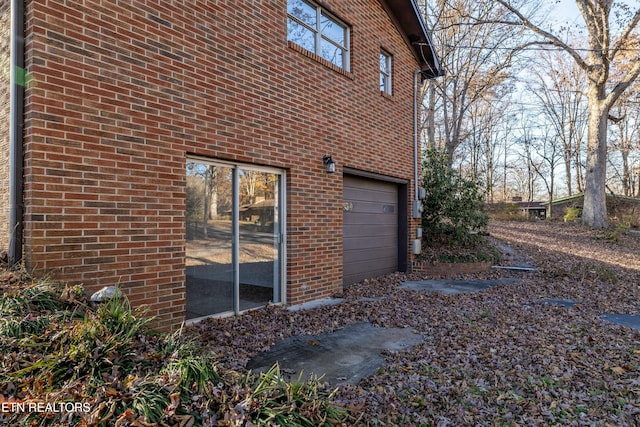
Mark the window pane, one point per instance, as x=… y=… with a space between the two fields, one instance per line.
x=385 y=72
x=259 y=238
x=383 y=63
x=303 y=11
x=301 y=35
x=209 y=266
x=332 y=53
x=332 y=30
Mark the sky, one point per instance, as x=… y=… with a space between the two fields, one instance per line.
x=567 y=9
x=566 y=12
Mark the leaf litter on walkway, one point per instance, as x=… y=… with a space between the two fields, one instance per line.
x=503 y=356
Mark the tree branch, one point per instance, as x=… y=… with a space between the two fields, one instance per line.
x=553 y=40
x=631 y=76
x=625 y=34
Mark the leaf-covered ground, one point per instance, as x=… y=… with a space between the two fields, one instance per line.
x=504 y=356
x=498 y=357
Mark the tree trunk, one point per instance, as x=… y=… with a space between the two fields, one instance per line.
x=567 y=169
x=504 y=176
x=578 y=164
x=431 y=112
x=594 y=213
x=626 y=174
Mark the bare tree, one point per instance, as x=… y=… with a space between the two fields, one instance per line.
x=602 y=91
x=474 y=60
x=626 y=140
x=559 y=90
x=200 y=193
x=484 y=148
x=548 y=148
x=505 y=161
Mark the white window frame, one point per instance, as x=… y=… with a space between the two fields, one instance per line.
x=320 y=36
x=386 y=71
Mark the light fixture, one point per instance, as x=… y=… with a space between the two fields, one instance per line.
x=329 y=163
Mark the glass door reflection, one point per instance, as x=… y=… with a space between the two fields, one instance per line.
x=259 y=226
x=234 y=243
x=209 y=261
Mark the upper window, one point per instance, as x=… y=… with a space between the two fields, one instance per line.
x=314 y=29
x=385 y=72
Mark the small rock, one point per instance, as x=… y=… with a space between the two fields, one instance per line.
x=106 y=293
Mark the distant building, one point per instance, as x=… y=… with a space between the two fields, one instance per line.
x=618 y=207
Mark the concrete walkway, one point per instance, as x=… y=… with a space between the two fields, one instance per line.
x=628 y=320
x=355 y=352
x=345 y=356
x=453 y=287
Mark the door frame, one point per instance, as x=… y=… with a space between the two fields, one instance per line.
x=282 y=240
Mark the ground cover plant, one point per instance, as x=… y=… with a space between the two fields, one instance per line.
x=66 y=361
x=504 y=356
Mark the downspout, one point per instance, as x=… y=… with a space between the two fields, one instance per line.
x=417 y=211
x=16 y=125
x=417 y=205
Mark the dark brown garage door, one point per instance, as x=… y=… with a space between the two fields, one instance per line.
x=370 y=229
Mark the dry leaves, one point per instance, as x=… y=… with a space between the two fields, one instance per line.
x=498 y=357
x=504 y=356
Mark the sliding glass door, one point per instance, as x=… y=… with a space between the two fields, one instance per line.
x=235 y=248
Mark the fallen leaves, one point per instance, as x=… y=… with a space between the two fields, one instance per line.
x=507 y=355
x=501 y=354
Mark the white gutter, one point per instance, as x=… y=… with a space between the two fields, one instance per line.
x=417 y=208
x=16 y=132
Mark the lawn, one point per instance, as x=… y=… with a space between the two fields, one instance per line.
x=504 y=356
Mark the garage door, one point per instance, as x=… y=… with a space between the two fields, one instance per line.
x=370 y=233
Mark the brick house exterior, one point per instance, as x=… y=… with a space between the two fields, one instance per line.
x=126 y=98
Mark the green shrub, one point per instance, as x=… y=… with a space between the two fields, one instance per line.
x=453 y=209
x=572 y=214
x=272 y=401
x=57 y=347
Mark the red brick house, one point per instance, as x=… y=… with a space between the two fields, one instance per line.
x=210 y=157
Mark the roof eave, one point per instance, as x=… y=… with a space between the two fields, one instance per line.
x=411 y=25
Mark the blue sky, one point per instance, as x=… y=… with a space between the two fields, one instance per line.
x=566 y=11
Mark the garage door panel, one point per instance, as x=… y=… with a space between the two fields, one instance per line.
x=375 y=207
x=371 y=243
x=381 y=253
x=359 y=231
x=381 y=264
x=366 y=184
x=368 y=196
x=369 y=240
x=370 y=219
x=360 y=275
x=370 y=229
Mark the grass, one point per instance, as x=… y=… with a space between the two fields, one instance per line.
x=57 y=347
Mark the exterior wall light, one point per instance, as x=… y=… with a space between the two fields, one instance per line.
x=329 y=163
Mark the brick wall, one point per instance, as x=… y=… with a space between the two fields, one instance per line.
x=126 y=90
x=448 y=269
x=5 y=60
